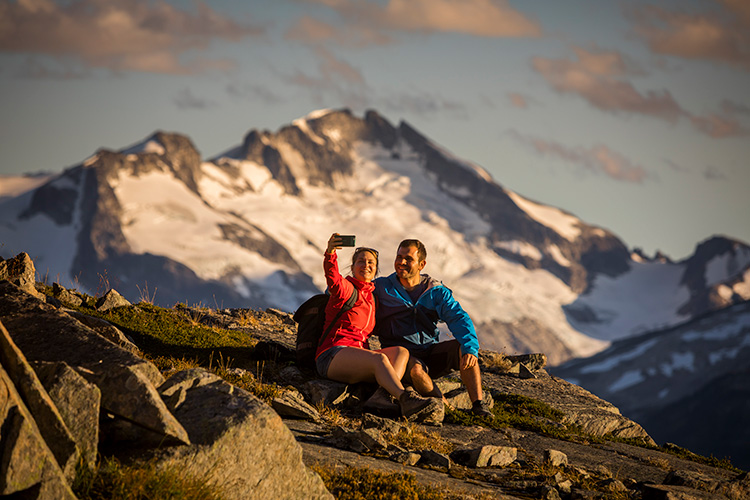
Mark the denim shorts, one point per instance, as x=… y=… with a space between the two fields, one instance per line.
x=323 y=361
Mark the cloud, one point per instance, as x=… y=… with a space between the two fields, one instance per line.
x=734 y=108
x=187 y=100
x=485 y=18
x=594 y=77
x=598 y=159
x=120 y=35
x=253 y=91
x=313 y=31
x=721 y=36
x=714 y=174
x=518 y=100
x=600 y=78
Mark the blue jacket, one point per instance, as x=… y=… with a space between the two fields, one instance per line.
x=398 y=321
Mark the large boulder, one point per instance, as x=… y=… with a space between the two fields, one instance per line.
x=78 y=402
x=239 y=442
x=127 y=382
x=21 y=272
x=49 y=421
x=28 y=467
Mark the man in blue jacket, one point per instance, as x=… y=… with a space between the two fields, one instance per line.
x=409 y=306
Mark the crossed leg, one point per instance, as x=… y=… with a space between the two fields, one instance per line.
x=386 y=367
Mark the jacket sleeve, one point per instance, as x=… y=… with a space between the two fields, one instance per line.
x=338 y=287
x=458 y=320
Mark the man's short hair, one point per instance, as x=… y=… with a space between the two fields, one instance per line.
x=421 y=250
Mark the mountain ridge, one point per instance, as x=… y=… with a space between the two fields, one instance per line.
x=248 y=228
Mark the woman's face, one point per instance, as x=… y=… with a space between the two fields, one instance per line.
x=365 y=266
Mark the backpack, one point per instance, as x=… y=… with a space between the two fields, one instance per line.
x=310 y=318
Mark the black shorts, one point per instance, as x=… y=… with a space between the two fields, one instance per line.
x=439 y=359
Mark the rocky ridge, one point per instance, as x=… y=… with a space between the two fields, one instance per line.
x=194 y=420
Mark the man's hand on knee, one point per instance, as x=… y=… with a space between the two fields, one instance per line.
x=468 y=361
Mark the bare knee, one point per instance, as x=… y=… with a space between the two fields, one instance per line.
x=381 y=359
x=417 y=370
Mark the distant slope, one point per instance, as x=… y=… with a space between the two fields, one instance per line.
x=686 y=384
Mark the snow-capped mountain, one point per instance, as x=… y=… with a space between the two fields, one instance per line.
x=686 y=384
x=248 y=228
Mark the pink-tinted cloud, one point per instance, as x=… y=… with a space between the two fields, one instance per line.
x=721 y=36
x=487 y=18
x=594 y=77
x=599 y=159
x=121 y=35
x=600 y=78
x=518 y=100
x=314 y=31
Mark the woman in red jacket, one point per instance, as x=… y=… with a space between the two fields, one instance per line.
x=344 y=356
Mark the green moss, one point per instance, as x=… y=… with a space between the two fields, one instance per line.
x=520 y=412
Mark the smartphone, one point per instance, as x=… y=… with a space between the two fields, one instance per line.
x=347 y=240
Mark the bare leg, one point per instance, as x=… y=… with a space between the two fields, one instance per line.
x=422 y=381
x=352 y=364
x=399 y=358
x=472 y=379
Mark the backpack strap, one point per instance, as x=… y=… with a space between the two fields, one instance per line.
x=347 y=305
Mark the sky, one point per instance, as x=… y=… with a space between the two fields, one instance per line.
x=632 y=115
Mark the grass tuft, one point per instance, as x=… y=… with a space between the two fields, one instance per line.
x=144 y=481
x=364 y=484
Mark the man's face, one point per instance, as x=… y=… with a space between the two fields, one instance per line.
x=407 y=263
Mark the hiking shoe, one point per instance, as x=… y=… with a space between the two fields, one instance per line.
x=413 y=405
x=481 y=408
x=382 y=403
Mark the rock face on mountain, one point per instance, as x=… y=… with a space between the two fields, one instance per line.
x=246 y=229
x=684 y=384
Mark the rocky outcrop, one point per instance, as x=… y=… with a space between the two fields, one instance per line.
x=21 y=272
x=127 y=382
x=50 y=426
x=28 y=468
x=83 y=396
x=238 y=442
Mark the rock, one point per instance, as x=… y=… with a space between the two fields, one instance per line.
x=127 y=382
x=66 y=297
x=292 y=404
x=555 y=458
x=613 y=485
x=110 y=300
x=327 y=392
x=78 y=402
x=457 y=397
x=48 y=419
x=239 y=442
x=520 y=370
x=359 y=441
x=431 y=458
x=28 y=467
x=486 y=456
x=406 y=457
x=106 y=330
x=370 y=421
x=549 y=493
x=20 y=271
x=534 y=362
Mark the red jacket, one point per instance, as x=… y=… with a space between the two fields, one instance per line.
x=356 y=324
